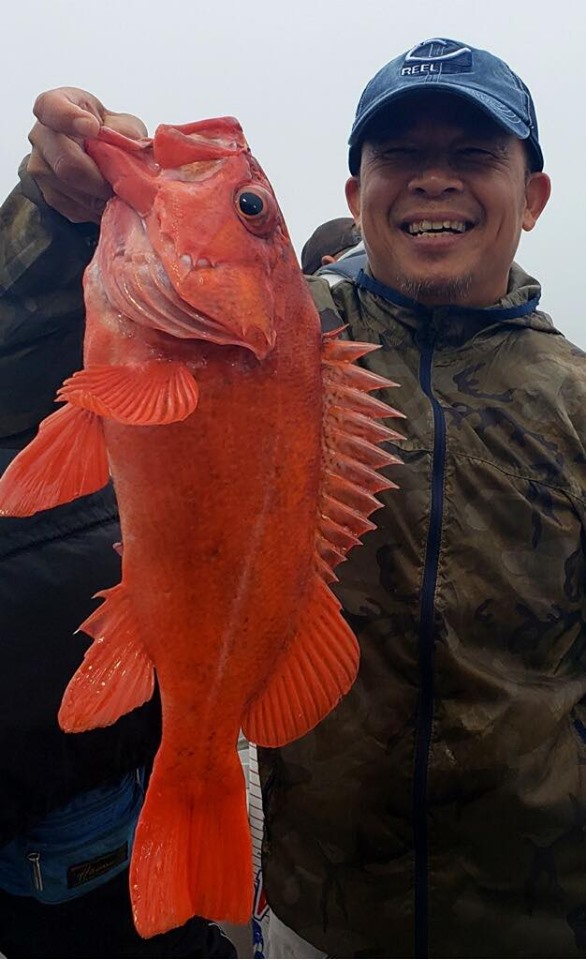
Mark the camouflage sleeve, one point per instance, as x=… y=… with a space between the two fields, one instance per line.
x=329 y=314
x=42 y=259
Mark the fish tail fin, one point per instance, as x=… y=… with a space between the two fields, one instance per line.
x=192 y=853
x=66 y=460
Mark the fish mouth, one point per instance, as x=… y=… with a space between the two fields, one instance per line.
x=249 y=326
x=138 y=287
x=193 y=145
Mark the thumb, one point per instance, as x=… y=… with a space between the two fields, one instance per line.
x=125 y=123
x=77 y=113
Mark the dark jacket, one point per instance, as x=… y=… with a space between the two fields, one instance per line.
x=53 y=563
x=441 y=809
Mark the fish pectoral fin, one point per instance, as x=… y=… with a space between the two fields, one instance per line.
x=144 y=394
x=311 y=677
x=116 y=674
x=66 y=460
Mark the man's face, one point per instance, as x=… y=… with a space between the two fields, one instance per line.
x=441 y=199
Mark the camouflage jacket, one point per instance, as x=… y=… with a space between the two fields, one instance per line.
x=440 y=810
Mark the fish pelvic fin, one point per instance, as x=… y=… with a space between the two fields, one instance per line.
x=312 y=676
x=352 y=455
x=192 y=853
x=149 y=393
x=66 y=460
x=116 y=674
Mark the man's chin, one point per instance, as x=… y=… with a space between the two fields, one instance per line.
x=436 y=291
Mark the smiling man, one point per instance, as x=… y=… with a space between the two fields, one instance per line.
x=440 y=810
x=442 y=193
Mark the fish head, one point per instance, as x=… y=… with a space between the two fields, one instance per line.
x=213 y=227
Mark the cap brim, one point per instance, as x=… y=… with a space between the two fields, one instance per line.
x=492 y=107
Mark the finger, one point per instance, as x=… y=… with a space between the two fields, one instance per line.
x=67 y=177
x=77 y=113
x=79 y=209
x=125 y=123
x=70 y=110
x=50 y=187
x=70 y=200
x=59 y=162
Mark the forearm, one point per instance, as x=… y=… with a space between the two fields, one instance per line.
x=42 y=259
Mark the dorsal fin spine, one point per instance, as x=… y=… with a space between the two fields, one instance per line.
x=352 y=456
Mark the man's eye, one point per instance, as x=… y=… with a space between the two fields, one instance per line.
x=478 y=152
x=399 y=152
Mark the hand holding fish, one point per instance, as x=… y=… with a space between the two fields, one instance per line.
x=67 y=177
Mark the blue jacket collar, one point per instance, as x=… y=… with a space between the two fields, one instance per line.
x=486 y=314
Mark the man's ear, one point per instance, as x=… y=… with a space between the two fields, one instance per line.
x=353 y=198
x=537 y=192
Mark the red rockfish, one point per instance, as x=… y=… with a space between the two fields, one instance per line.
x=245 y=452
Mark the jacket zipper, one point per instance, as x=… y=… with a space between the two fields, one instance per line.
x=35 y=862
x=34 y=857
x=426 y=658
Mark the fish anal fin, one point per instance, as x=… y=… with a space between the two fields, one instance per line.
x=66 y=460
x=116 y=674
x=352 y=455
x=143 y=394
x=311 y=677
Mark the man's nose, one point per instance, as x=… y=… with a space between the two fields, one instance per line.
x=435 y=177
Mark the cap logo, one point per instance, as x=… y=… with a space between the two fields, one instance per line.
x=437 y=56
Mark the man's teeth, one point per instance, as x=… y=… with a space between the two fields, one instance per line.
x=436 y=226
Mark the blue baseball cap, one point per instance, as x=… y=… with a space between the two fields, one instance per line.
x=451 y=67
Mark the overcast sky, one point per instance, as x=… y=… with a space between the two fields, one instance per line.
x=292 y=74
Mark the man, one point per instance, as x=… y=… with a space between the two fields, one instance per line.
x=440 y=810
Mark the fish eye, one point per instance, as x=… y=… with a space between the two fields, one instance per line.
x=251 y=204
x=257 y=209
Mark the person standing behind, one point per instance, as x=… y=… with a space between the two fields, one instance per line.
x=343 y=237
x=328 y=242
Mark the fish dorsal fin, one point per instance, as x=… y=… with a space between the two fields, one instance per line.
x=148 y=393
x=321 y=663
x=352 y=456
x=116 y=674
x=66 y=460
x=314 y=673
